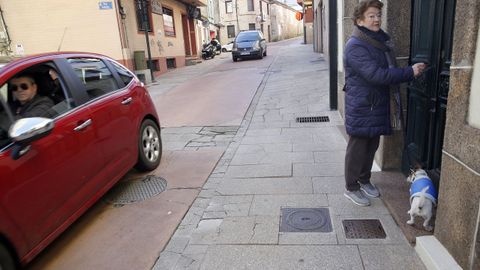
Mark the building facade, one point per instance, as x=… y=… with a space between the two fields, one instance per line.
x=442 y=107
x=283 y=23
x=114 y=28
x=275 y=19
x=241 y=15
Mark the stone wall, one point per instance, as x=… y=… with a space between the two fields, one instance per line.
x=459 y=194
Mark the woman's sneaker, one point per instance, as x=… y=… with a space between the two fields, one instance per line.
x=370 y=190
x=357 y=197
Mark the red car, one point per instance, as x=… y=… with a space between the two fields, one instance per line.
x=102 y=122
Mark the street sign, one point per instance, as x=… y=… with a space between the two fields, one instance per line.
x=105 y=5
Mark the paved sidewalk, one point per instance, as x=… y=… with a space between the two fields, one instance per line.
x=275 y=163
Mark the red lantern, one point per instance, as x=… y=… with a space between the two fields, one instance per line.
x=299 y=16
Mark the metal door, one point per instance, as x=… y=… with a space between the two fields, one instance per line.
x=432 y=32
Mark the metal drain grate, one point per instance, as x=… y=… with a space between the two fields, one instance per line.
x=305 y=220
x=363 y=228
x=313 y=119
x=136 y=190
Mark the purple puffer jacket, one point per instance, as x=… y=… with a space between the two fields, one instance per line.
x=367 y=98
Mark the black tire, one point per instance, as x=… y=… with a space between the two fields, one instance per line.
x=224 y=50
x=234 y=59
x=265 y=53
x=149 y=146
x=6 y=259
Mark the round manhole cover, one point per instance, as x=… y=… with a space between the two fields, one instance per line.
x=136 y=190
x=306 y=219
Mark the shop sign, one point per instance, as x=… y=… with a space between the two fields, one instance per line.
x=156 y=7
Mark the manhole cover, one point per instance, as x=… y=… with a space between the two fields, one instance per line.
x=313 y=119
x=305 y=220
x=136 y=190
x=363 y=228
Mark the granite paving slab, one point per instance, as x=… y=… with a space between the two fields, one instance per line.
x=229 y=257
x=270 y=205
x=281 y=185
x=237 y=230
x=390 y=257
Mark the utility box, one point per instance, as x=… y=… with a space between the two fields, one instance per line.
x=139 y=59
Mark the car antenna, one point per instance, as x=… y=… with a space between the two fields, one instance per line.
x=61 y=41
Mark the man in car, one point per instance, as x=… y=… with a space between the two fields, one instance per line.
x=26 y=101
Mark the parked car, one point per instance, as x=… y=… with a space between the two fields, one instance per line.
x=227 y=47
x=249 y=44
x=53 y=169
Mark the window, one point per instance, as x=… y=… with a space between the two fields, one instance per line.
x=94 y=74
x=6 y=119
x=251 y=26
x=250 y=5
x=144 y=17
x=268 y=9
x=168 y=22
x=124 y=74
x=228 y=6
x=171 y=63
x=231 y=31
x=155 y=65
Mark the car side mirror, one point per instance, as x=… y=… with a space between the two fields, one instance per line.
x=27 y=130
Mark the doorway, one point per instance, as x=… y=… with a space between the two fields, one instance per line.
x=186 y=37
x=431 y=42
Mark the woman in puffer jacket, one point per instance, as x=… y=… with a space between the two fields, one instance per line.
x=369 y=72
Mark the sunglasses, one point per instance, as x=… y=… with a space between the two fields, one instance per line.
x=22 y=86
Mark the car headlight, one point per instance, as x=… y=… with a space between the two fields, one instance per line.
x=256 y=45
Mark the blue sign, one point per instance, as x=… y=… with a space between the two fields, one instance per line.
x=105 y=5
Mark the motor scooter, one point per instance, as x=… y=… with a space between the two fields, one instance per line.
x=217 y=46
x=208 y=51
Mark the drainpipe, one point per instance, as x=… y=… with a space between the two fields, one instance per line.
x=333 y=51
x=236 y=14
x=142 y=6
x=304 y=28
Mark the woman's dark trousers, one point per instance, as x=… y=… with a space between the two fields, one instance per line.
x=358 y=161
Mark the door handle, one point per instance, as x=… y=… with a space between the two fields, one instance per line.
x=83 y=125
x=127 y=101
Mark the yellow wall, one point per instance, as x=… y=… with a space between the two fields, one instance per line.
x=160 y=45
x=40 y=25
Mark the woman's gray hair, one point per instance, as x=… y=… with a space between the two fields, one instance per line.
x=362 y=7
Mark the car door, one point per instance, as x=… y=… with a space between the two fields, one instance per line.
x=115 y=112
x=43 y=188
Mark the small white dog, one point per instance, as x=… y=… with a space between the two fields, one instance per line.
x=423 y=197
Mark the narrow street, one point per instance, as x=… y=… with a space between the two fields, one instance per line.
x=201 y=108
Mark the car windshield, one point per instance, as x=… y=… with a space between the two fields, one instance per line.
x=246 y=37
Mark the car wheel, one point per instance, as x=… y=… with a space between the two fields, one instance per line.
x=224 y=50
x=6 y=260
x=149 y=146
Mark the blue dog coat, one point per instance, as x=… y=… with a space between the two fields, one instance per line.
x=419 y=184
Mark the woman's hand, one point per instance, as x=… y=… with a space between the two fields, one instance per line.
x=418 y=69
